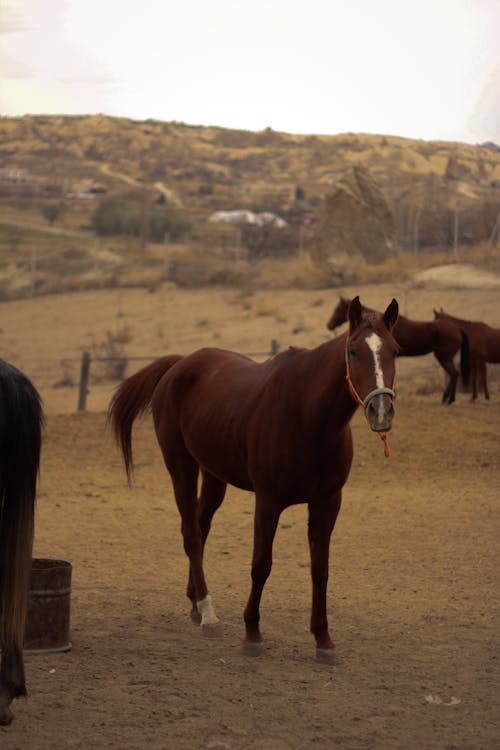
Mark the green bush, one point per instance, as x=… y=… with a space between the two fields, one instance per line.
x=163 y=221
x=116 y=215
x=269 y=242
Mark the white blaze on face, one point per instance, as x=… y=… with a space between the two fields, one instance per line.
x=375 y=344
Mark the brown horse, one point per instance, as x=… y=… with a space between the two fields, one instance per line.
x=21 y=421
x=484 y=342
x=416 y=338
x=278 y=428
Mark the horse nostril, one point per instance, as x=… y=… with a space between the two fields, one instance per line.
x=380 y=411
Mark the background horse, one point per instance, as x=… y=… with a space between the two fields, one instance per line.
x=278 y=428
x=484 y=342
x=21 y=421
x=416 y=338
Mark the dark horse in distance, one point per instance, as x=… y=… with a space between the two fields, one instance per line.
x=484 y=343
x=416 y=338
x=21 y=421
x=278 y=428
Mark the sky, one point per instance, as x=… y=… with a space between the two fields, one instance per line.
x=426 y=69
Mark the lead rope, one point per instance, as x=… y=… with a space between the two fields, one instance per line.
x=387 y=450
x=361 y=402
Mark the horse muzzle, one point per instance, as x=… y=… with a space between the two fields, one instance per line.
x=379 y=409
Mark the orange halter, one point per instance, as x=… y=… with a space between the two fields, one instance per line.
x=365 y=401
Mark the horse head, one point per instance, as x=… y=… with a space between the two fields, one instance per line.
x=339 y=315
x=370 y=362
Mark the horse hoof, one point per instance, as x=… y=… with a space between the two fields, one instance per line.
x=195 y=616
x=252 y=648
x=211 y=630
x=6 y=716
x=325 y=655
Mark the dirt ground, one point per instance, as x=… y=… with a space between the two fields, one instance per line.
x=413 y=593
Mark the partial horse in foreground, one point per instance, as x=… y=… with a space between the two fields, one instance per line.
x=416 y=338
x=278 y=428
x=21 y=421
x=484 y=342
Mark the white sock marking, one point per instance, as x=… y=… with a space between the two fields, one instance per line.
x=207 y=611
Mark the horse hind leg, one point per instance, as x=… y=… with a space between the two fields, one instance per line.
x=449 y=392
x=12 y=681
x=484 y=378
x=475 y=367
x=212 y=494
x=184 y=475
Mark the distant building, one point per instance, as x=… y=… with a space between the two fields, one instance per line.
x=13 y=174
x=87 y=190
x=243 y=216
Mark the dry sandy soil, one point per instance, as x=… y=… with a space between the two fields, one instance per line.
x=413 y=595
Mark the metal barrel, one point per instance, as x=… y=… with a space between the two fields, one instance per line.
x=49 y=605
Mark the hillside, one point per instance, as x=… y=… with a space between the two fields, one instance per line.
x=54 y=171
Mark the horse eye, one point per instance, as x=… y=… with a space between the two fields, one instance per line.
x=352 y=352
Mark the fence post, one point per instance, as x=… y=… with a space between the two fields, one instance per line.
x=84 y=381
x=455 y=230
x=416 y=232
x=496 y=230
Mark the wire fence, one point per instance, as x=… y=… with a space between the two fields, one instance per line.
x=87 y=359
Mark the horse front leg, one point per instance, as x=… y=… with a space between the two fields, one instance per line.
x=322 y=516
x=12 y=681
x=266 y=518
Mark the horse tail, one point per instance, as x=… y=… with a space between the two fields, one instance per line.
x=131 y=399
x=21 y=423
x=465 y=358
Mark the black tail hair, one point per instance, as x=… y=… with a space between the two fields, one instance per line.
x=465 y=358
x=21 y=422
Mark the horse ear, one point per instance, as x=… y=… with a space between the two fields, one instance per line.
x=354 y=313
x=391 y=315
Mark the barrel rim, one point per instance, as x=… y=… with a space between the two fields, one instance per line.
x=46 y=563
x=49 y=650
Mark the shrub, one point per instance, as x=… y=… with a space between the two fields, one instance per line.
x=269 y=242
x=164 y=221
x=52 y=210
x=110 y=354
x=116 y=215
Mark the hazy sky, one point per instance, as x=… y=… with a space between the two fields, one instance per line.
x=417 y=68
